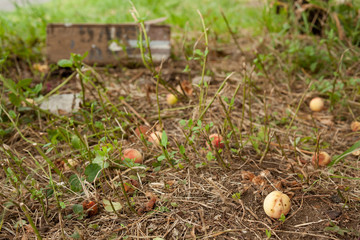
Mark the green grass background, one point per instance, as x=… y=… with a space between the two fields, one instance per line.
x=23 y=31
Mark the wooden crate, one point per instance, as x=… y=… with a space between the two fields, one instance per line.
x=105 y=43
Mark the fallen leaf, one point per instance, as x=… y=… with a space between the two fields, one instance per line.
x=149 y=205
x=246 y=175
x=29 y=229
x=265 y=173
x=278 y=185
x=107 y=206
x=185 y=87
x=131 y=185
x=258 y=180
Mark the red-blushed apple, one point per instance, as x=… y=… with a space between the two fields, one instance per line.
x=216 y=141
x=132 y=154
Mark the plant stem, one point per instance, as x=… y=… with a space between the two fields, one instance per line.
x=31 y=222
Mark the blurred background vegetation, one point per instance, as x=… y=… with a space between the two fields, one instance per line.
x=333 y=26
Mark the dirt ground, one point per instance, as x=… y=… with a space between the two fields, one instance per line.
x=198 y=200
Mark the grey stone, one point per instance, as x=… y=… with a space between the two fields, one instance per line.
x=62 y=103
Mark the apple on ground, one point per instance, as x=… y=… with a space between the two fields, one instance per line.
x=132 y=154
x=277 y=203
x=216 y=141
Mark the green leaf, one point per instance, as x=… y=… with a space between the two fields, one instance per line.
x=182 y=149
x=99 y=125
x=117 y=206
x=14 y=99
x=344 y=177
x=62 y=205
x=198 y=52
x=100 y=159
x=76 y=142
x=94 y=226
x=75 y=235
x=11 y=174
x=9 y=84
x=353 y=148
x=65 y=63
x=337 y=230
x=78 y=209
x=91 y=171
x=37 y=88
x=282 y=218
x=190 y=123
x=75 y=183
x=20 y=223
x=12 y=114
x=210 y=156
x=164 y=139
x=24 y=83
x=182 y=122
x=161 y=157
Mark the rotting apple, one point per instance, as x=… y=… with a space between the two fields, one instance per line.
x=216 y=141
x=316 y=104
x=324 y=159
x=132 y=154
x=277 y=203
x=90 y=208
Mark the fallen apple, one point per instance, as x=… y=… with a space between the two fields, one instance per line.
x=324 y=159
x=132 y=154
x=90 y=208
x=171 y=99
x=155 y=138
x=142 y=129
x=71 y=163
x=216 y=141
x=276 y=203
x=316 y=104
x=355 y=126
